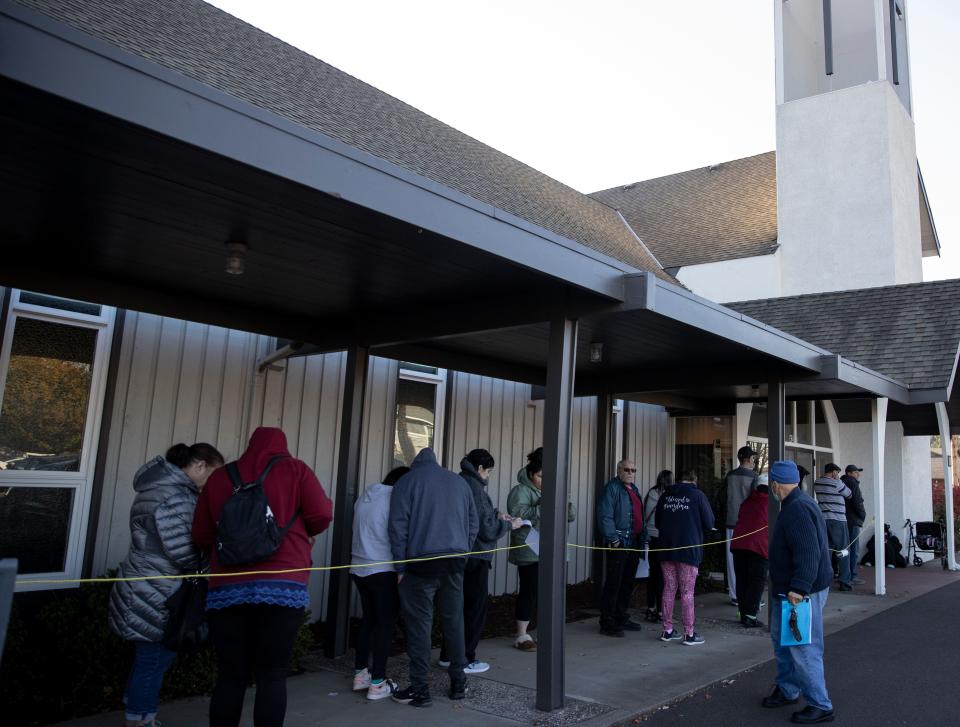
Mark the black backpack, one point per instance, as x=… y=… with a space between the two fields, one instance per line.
x=247 y=531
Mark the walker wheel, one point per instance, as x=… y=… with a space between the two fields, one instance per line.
x=917 y=561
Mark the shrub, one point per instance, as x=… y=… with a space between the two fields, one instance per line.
x=62 y=661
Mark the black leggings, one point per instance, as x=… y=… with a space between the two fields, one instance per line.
x=526 y=607
x=381 y=604
x=259 y=638
x=655 y=579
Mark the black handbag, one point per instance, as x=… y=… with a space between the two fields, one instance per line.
x=186 y=628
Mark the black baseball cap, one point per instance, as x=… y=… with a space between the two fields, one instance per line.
x=831 y=467
x=745 y=452
x=853 y=468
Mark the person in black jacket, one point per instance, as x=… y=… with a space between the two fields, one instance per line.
x=856 y=514
x=475 y=469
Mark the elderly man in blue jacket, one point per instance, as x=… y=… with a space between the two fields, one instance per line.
x=620 y=524
x=799 y=569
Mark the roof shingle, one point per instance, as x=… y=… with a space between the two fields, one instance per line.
x=221 y=51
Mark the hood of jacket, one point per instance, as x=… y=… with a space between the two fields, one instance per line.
x=265 y=443
x=160 y=473
x=523 y=479
x=376 y=492
x=425 y=457
x=469 y=472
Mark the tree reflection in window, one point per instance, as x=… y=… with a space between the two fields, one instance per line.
x=45 y=396
x=415 y=419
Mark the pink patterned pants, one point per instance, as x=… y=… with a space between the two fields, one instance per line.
x=682 y=576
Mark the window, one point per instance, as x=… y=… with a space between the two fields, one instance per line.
x=418 y=419
x=52 y=370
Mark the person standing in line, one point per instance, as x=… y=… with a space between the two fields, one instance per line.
x=475 y=469
x=523 y=503
x=799 y=569
x=376 y=585
x=254 y=619
x=620 y=524
x=655 y=577
x=683 y=517
x=832 y=495
x=856 y=515
x=739 y=483
x=750 y=547
x=167 y=489
x=433 y=522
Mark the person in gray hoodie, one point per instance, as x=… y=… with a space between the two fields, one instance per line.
x=475 y=469
x=160 y=545
x=433 y=523
x=376 y=580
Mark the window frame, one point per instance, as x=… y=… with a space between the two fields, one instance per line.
x=439 y=382
x=81 y=481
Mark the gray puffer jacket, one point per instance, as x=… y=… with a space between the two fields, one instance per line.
x=160 y=544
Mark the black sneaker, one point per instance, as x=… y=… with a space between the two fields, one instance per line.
x=693 y=639
x=751 y=623
x=414 y=696
x=631 y=625
x=618 y=633
x=458 y=690
x=673 y=635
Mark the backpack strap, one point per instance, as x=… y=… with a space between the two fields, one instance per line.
x=238 y=484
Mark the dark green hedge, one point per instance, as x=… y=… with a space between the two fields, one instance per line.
x=62 y=661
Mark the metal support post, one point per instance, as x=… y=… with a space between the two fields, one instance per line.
x=348 y=474
x=551 y=612
x=943 y=420
x=878 y=429
x=8 y=581
x=776 y=410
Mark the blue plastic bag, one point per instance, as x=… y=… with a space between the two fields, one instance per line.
x=795 y=621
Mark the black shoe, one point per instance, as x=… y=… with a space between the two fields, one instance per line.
x=415 y=697
x=618 y=633
x=458 y=690
x=777 y=699
x=812 y=715
x=652 y=616
x=844 y=586
x=750 y=623
x=630 y=625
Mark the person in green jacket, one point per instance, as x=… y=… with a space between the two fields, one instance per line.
x=524 y=503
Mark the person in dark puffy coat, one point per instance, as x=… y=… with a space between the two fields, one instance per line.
x=160 y=545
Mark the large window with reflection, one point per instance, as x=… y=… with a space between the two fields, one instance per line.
x=52 y=370
x=806 y=431
x=418 y=419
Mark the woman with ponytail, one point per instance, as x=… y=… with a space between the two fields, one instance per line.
x=160 y=545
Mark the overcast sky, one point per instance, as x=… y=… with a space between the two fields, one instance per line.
x=613 y=91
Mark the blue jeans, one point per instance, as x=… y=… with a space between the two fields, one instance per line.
x=854 y=548
x=150 y=662
x=839 y=538
x=800 y=668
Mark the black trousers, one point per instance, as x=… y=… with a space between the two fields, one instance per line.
x=476 y=577
x=416 y=599
x=655 y=579
x=618 y=585
x=381 y=605
x=751 y=572
x=526 y=607
x=252 y=637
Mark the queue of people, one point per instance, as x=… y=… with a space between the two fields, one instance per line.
x=425 y=534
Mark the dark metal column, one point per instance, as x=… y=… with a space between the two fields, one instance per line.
x=551 y=585
x=605 y=455
x=348 y=473
x=776 y=409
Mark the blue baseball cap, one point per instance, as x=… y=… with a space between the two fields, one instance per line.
x=785 y=472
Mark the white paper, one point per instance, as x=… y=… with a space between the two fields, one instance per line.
x=533 y=540
x=643 y=567
x=526 y=522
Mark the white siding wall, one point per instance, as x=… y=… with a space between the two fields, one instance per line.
x=647 y=443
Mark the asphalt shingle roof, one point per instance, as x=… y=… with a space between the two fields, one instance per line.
x=910 y=332
x=721 y=212
x=217 y=49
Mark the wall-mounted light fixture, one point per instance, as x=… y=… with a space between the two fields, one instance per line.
x=596 y=352
x=236 y=252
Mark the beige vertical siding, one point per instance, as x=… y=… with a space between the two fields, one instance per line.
x=646 y=441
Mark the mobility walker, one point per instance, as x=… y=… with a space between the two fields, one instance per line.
x=926 y=537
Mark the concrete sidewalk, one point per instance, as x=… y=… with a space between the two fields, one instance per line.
x=608 y=680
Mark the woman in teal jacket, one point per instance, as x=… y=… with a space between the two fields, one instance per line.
x=524 y=503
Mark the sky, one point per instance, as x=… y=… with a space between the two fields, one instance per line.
x=609 y=92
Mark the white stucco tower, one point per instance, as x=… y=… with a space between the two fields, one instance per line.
x=848 y=202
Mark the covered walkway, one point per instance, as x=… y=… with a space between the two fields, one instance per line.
x=614 y=680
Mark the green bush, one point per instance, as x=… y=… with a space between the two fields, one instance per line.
x=62 y=661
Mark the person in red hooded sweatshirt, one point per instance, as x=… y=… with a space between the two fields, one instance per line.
x=749 y=548
x=254 y=619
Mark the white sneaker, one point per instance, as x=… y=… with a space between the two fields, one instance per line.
x=443 y=663
x=476 y=667
x=384 y=689
x=361 y=680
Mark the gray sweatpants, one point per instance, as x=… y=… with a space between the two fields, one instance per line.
x=416 y=600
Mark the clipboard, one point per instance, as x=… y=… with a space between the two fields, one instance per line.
x=802 y=622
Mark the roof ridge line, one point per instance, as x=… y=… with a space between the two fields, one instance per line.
x=637 y=238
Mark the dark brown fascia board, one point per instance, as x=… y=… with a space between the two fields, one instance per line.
x=55 y=58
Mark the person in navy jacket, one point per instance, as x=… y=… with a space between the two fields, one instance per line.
x=683 y=517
